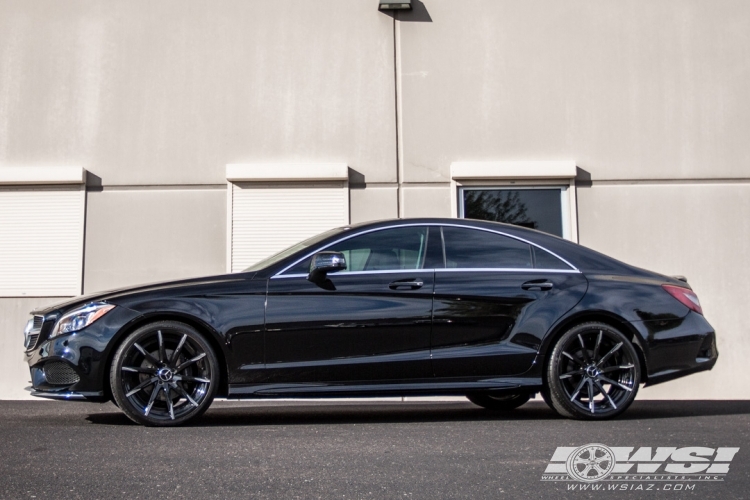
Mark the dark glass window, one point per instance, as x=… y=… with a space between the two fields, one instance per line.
x=545 y=260
x=533 y=208
x=386 y=250
x=469 y=248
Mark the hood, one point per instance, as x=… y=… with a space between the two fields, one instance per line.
x=119 y=293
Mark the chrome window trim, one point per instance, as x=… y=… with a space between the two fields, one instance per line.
x=356 y=273
x=507 y=270
x=573 y=269
x=447 y=269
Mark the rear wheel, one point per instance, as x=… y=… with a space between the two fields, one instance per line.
x=546 y=397
x=164 y=374
x=593 y=372
x=499 y=402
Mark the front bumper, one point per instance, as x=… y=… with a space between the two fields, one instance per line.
x=74 y=366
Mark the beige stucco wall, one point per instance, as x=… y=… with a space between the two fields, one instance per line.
x=427 y=200
x=372 y=203
x=628 y=88
x=143 y=236
x=169 y=92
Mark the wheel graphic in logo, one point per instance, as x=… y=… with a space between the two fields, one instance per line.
x=591 y=462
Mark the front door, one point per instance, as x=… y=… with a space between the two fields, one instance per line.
x=370 y=322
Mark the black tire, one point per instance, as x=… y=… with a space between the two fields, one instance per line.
x=499 y=402
x=164 y=374
x=593 y=373
x=547 y=399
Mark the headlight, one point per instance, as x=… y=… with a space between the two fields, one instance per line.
x=80 y=318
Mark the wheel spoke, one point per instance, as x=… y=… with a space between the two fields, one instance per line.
x=591 y=395
x=578 y=389
x=162 y=352
x=151 y=400
x=571 y=374
x=147 y=355
x=606 y=394
x=176 y=353
x=192 y=379
x=598 y=344
x=182 y=393
x=610 y=353
x=618 y=384
x=584 y=351
x=189 y=362
x=141 y=386
x=139 y=369
x=616 y=368
x=573 y=359
x=169 y=401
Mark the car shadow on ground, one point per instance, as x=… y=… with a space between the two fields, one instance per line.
x=309 y=413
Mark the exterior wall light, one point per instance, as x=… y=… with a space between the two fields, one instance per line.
x=390 y=5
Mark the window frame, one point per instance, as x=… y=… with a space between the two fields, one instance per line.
x=573 y=269
x=566 y=222
x=519 y=175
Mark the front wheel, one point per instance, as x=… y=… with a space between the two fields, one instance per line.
x=164 y=374
x=593 y=372
x=499 y=402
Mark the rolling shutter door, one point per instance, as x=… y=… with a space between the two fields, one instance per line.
x=41 y=241
x=269 y=217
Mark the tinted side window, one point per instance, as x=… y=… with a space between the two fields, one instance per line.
x=470 y=248
x=545 y=260
x=386 y=250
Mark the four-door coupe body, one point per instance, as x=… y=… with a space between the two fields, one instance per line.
x=491 y=311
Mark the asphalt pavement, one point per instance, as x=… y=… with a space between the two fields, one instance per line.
x=356 y=449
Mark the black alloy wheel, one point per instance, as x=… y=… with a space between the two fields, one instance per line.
x=593 y=373
x=499 y=402
x=164 y=374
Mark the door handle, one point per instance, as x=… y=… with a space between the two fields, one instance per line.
x=537 y=284
x=411 y=283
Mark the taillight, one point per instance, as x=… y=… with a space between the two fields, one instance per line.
x=686 y=296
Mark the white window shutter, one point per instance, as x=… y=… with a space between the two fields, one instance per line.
x=41 y=240
x=274 y=207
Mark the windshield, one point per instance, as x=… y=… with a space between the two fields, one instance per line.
x=294 y=249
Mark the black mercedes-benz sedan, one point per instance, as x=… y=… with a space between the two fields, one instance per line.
x=494 y=312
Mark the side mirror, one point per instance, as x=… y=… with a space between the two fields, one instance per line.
x=323 y=263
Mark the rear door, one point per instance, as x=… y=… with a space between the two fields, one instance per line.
x=494 y=301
